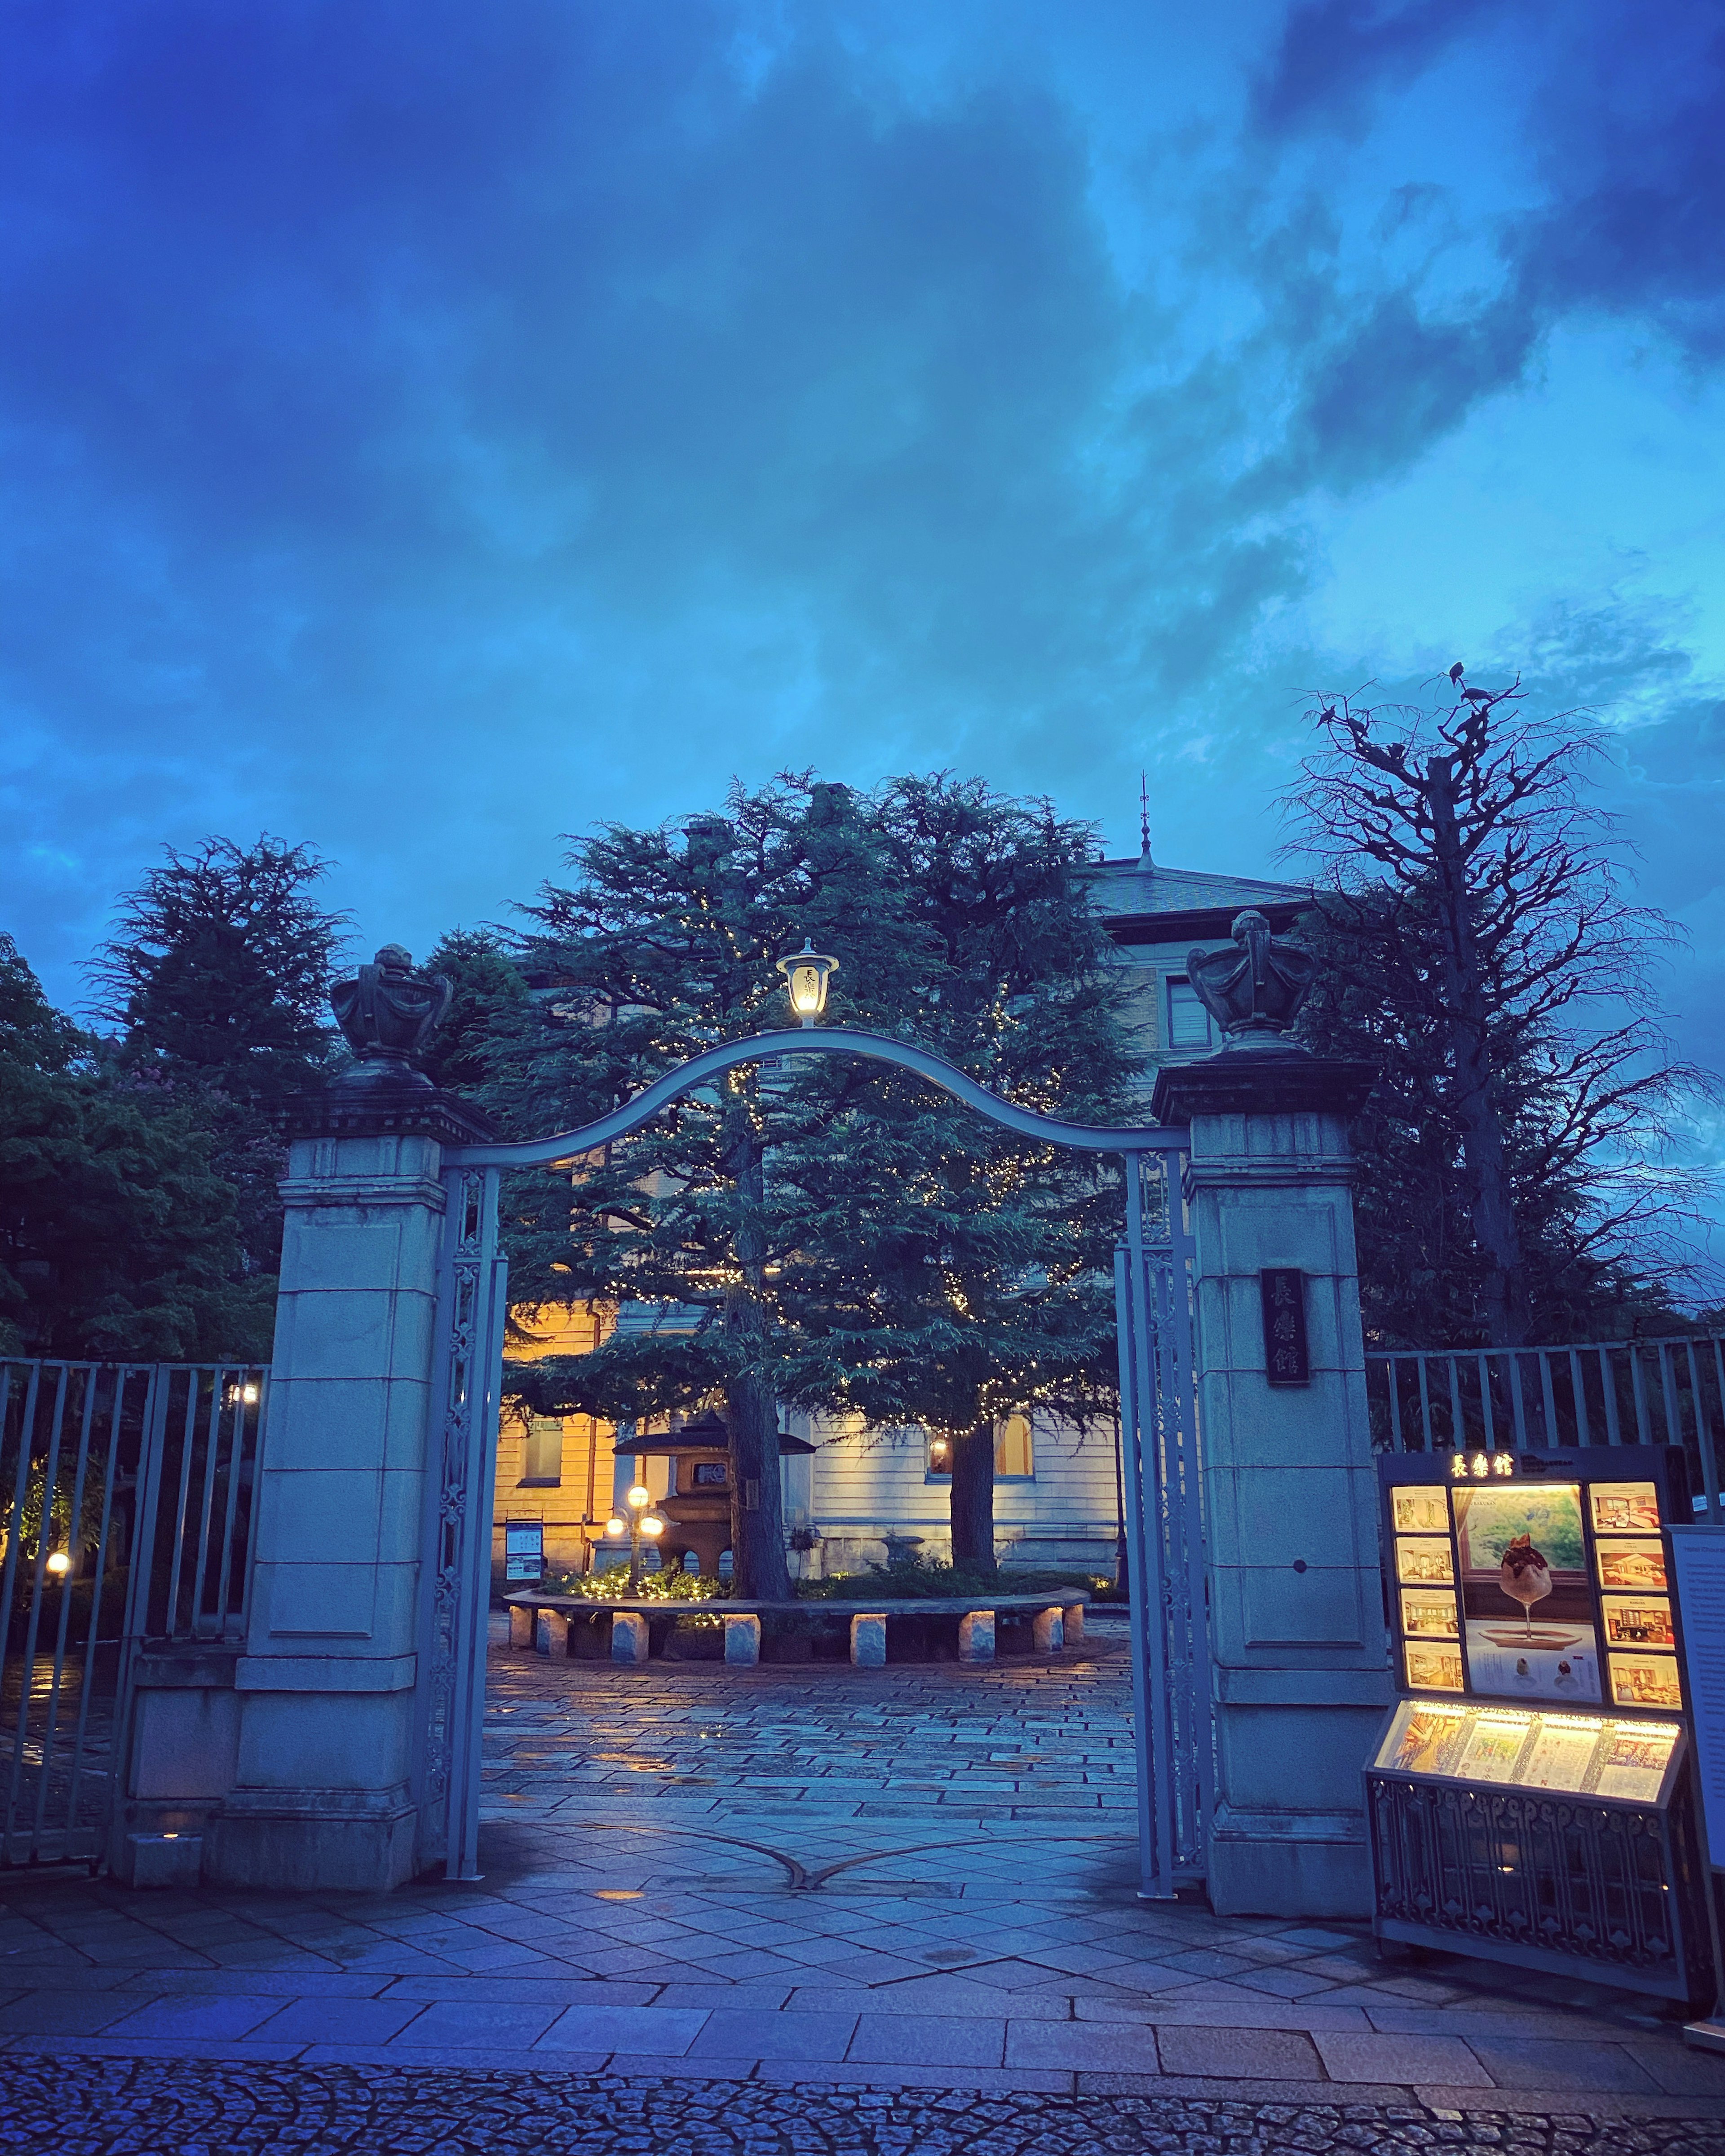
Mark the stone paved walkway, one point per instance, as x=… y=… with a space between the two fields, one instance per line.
x=918 y=1879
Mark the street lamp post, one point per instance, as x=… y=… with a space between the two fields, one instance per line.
x=806 y=974
x=640 y=1521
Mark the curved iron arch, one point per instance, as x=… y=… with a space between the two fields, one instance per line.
x=563 y=1145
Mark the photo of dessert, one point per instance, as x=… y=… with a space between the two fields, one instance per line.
x=1624 y=1508
x=1525 y=1576
x=1528 y=1606
x=1424 y=1565
x=1640 y=1565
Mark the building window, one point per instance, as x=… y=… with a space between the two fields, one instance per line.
x=1014 y=1457
x=543 y=1466
x=1189 y=1023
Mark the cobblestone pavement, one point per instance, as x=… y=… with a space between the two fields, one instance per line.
x=915 y=1881
x=90 y=2107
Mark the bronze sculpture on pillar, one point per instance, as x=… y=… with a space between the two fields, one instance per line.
x=388 y=1013
x=1254 y=996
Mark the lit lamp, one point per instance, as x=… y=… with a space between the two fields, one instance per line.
x=806 y=974
x=640 y=1521
x=59 y=1564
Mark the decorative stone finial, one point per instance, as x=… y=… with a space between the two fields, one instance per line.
x=387 y=1013
x=1255 y=996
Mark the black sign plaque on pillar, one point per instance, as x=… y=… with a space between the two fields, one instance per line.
x=1286 y=1359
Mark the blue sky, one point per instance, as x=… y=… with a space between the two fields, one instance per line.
x=431 y=428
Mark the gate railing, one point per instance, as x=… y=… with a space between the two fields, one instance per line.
x=1606 y=1392
x=1173 y=1716
x=128 y=1495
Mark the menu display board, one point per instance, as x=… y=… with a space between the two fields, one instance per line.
x=1546 y=1637
x=1590 y=1755
x=1516 y=1580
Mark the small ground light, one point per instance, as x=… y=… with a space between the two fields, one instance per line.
x=59 y=1563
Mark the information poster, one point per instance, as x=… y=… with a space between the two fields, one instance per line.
x=1582 y=1754
x=1633 y=1761
x=1424 y=1740
x=1561 y=1754
x=1699 y=1564
x=1494 y=1747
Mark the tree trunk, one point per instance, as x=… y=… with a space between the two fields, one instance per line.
x=972 y=1500
x=758 y=1552
x=1491 y=1206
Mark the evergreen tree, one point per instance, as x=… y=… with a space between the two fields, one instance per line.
x=953 y=1272
x=219 y=973
x=117 y=1236
x=490 y=991
x=856 y=1239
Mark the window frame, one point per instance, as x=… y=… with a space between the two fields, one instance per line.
x=1170 y=983
x=944 y=1475
x=538 y=1435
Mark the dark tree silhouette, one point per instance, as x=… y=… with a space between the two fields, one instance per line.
x=1483 y=950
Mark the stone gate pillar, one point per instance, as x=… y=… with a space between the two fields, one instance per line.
x=1299 y=1676
x=327 y=1687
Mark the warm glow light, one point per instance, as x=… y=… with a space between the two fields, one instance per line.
x=806 y=974
x=59 y=1562
x=639 y=1495
x=615 y=1527
x=651 y=1526
x=249 y=1394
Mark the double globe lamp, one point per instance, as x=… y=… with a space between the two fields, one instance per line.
x=640 y=1523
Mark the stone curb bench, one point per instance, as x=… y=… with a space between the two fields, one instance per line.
x=551 y=1624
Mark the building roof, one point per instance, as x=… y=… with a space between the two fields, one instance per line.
x=1141 y=903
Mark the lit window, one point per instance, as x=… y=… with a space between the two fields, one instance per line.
x=1012 y=1452
x=1012 y=1446
x=544 y=1462
x=1189 y=1023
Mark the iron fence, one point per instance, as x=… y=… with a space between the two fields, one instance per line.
x=128 y=1496
x=1610 y=1391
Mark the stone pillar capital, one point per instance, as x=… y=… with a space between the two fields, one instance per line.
x=1260 y=1081
x=388 y=1111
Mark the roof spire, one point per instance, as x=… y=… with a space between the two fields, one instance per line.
x=1144 y=859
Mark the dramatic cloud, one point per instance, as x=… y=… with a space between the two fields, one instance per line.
x=433 y=428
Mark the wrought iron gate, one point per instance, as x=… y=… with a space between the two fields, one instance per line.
x=1172 y=1717
x=128 y=1493
x=455 y=1570
x=1160 y=1430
